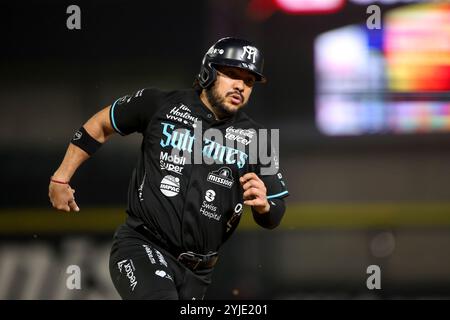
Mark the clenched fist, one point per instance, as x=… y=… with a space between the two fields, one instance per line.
x=255 y=192
x=62 y=197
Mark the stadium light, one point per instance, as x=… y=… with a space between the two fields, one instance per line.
x=309 y=6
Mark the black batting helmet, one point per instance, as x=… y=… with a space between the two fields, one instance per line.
x=231 y=52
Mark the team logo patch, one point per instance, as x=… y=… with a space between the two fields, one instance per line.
x=77 y=135
x=170 y=186
x=249 y=53
x=223 y=177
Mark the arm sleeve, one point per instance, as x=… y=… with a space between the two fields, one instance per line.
x=132 y=113
x=271 y=219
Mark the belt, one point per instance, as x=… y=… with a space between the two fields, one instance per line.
x=191 y=260
x=195 y=261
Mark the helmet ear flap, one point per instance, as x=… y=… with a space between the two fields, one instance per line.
x=203 y=76
x=206 y=76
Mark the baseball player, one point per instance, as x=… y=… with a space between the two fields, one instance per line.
x=180 y=211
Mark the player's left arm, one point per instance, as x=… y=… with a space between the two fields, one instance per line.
x=267 y=213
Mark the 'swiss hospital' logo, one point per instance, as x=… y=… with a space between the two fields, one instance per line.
x=222 y=177
x=208 y=209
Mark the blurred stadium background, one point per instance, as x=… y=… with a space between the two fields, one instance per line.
x=364 y=118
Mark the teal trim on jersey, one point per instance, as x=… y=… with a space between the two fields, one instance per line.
x=113 y=122
x=277 y=195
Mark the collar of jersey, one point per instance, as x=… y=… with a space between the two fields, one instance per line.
x=206 y=114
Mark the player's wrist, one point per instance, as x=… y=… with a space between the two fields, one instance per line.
x=263 y=209
x=59 y=180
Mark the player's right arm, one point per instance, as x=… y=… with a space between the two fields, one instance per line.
x=61 y=195
x=126 y=115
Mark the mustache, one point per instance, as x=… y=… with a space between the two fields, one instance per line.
x=235 y=92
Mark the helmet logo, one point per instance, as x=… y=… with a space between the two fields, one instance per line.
x=213 y=50
x=250 y=51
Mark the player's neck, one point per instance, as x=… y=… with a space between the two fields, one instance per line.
x=207 y=104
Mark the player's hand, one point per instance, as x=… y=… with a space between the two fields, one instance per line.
x=62 y=197
x=255 y=192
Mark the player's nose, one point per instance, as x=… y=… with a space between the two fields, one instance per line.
x=238 y=84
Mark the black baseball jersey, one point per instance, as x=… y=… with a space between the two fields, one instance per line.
x=185 y=186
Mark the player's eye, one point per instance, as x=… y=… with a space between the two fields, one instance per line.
x=249 y=82
x=233 y=74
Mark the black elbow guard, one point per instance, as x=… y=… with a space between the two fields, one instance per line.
x=83 y=140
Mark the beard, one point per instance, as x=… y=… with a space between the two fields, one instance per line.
x=218 y=103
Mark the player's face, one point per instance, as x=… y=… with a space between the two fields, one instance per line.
x=231 y=90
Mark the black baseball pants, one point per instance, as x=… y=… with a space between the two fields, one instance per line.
x=141 y=270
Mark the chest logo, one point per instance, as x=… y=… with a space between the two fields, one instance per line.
x=210 y=195
x=170 y=186
x=208 y=209
x=182 y=114
x=223 y=177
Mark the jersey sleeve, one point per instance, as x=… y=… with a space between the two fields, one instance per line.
x=275 y=185
x=132 y=113
x=268 y=168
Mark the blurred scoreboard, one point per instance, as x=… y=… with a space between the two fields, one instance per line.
x=395 y=79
